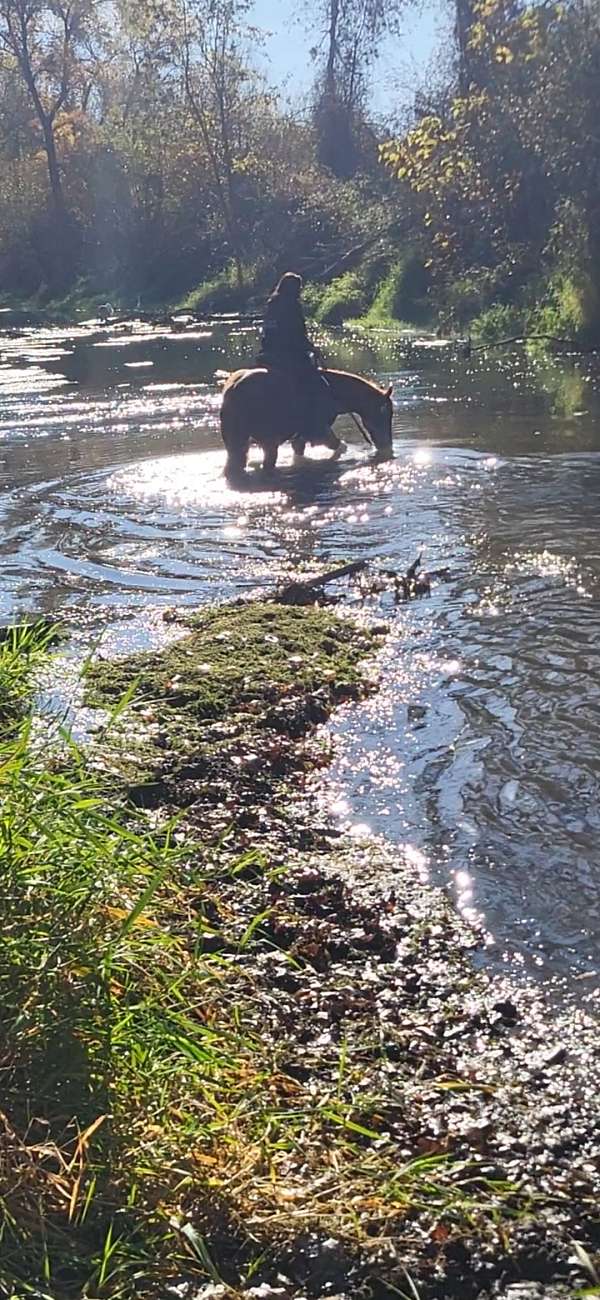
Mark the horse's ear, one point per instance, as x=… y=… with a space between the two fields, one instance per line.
x=389 y=391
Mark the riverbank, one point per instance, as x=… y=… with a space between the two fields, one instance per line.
x=396 y=295
x=243 y=1053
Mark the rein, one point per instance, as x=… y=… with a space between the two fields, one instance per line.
x=364 y=433
x=362 y=429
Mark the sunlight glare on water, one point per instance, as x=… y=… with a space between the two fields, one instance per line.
x=479 y=755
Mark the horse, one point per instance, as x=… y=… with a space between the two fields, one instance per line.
x=259 y=406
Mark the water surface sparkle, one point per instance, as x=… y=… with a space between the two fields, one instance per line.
x=479 y=757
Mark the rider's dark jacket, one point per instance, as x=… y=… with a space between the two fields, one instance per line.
x=284 y=338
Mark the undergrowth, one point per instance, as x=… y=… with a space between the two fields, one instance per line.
x=198 y=1060
x=22 y=648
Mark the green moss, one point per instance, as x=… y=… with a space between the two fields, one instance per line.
x=235 y=655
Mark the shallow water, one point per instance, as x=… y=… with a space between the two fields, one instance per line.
x=480 y=755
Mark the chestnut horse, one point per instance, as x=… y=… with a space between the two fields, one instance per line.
x=260 y=406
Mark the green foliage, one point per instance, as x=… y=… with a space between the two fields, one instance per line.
x=129 y=1052
x=223 y=293
x=343 y=297
x=402 y=294
x=235 y=198
x=507 y=170
x=468 y=295
x=498 y=178
x=499 y=321
x=567 y=305
x=21 y=649
x=312 y=297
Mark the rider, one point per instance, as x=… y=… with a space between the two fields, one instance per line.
x=285 y=343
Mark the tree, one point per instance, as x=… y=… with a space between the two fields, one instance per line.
x=43 y=39
x=351 y=34
x=508 y=173
x=216 y=81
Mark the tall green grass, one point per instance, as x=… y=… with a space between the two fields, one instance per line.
x=401 y=295
x=95 y=1033
x=22 y=649
x=222 y=292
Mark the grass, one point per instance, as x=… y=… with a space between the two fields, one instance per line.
x=131 y=1085
x=22 y=649
x=401 y=294
x=333 y=303
x=196 y=1031
x=223 y=293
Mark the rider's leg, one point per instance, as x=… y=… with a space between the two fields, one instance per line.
x=327 y=438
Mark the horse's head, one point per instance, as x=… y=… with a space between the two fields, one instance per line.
x=378 y=422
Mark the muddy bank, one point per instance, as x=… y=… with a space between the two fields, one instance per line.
x=390 y=1121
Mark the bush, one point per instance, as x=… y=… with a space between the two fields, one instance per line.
x=344 y=297
x=568 y=308
x=402 y=294
x=223 y=292
x=313 y=295
x=500 y=321
x=469 y=296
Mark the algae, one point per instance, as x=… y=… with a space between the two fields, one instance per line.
x=239 y=655
x=213 y=720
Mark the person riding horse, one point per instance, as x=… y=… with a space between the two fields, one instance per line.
x=286 y=345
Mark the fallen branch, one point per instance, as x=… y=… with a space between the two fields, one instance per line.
x=304 y=592
x=525 y=338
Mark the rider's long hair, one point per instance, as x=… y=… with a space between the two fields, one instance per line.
x=289 y=286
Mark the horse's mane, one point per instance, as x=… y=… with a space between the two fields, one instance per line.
x=350 y=374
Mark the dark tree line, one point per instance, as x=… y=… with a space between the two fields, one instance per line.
x=140 y=150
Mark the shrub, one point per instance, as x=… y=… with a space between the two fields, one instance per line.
x=343 y=297
x=402 y=293
x=568 y=307
x=499 y=321
x=222 y=291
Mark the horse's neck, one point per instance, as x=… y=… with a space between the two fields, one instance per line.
x=351 y=392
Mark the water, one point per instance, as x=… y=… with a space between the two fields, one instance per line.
x=480 y=755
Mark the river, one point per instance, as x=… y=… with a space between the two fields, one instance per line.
x=480 y=754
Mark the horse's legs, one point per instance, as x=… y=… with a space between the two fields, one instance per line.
x=237 y=455
x=270 y=458
x=326 y=438
x=299 y=446
x=335 y=444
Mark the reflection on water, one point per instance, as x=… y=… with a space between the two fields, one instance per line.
x=480 y=755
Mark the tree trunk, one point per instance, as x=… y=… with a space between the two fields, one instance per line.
x=56 y=188
x=462 y=31
x=334 y=13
